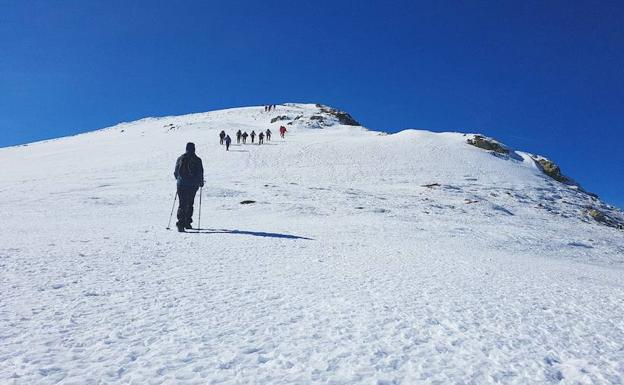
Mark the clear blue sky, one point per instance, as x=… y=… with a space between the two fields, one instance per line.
x=541 y=76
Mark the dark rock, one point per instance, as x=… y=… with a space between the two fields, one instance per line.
x=487 y=144
x=551 y=169
x=604 y=218
x=597 y=215
x=343 y=117
x=279 y=118
x=548 y=167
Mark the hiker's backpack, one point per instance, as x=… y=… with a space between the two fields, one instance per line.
x=186 y=169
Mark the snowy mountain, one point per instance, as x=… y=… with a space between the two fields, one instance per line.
x=361 y=257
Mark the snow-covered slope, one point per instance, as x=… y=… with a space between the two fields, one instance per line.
x=410 y=258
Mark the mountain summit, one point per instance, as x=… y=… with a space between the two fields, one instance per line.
x=336 y=254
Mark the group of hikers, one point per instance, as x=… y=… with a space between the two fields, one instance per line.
x=270 y=107
x=242 y=136
x=189 y=173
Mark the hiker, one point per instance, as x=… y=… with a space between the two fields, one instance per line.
x=260 y=137
x=221 y=137
x=238 y=136
x=282 y=131
x=253 y=136
x=228 y=140
x=189 y=174
x=268 y=135
x=245 y=137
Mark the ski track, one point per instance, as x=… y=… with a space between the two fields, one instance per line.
x=346 y=270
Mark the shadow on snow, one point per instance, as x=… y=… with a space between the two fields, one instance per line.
x=243 y=232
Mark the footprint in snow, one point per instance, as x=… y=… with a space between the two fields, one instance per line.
x=226 y=365
x=502 y=209
x=47 y=371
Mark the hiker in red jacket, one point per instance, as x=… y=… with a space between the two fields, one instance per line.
x=282 y=131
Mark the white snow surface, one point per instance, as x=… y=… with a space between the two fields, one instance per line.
x=346 y=270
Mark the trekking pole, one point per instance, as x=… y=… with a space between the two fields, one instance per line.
x=172 y=207
x=199 y=219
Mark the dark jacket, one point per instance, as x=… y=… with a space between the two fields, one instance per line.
x=189 y=171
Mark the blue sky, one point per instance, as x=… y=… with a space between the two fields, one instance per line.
x=541 y=76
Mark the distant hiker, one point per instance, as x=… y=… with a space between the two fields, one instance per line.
x=228 y=140
x=238 y=136
x=189 y=174
x=266 y=108
x=260 y=137
x=253 y=136
x=282 y=131
x=245 y=135
x=268 y=135
x=221 y=137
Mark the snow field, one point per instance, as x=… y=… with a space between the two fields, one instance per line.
x=346 y=270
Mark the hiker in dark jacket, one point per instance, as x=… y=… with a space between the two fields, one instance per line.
x=238 y=136
x=253 y=136
x=189 y=174
x=245 y=135
x=228 y=140
x=260 y=137
x=221 y=137
x=268 y=135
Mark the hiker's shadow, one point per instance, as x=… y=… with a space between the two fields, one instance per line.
x=252 y=233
